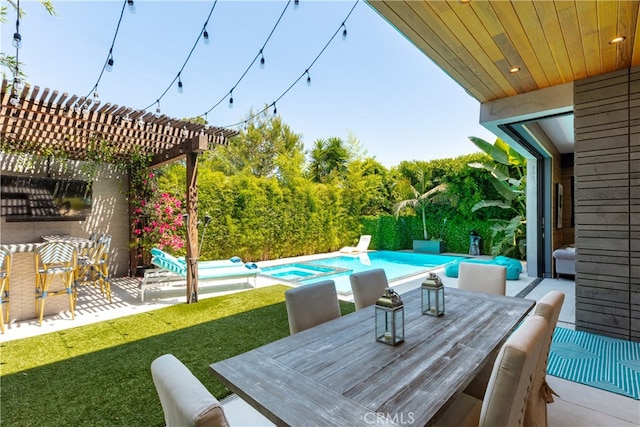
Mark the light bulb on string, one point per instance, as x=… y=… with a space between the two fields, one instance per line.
x=17 y=40
x=96 y=96
x=308 y=78
x=109 y=66
x=180 y=87
x=344 y=32
x=296 y=3
x=17 y=84
x=261 y=59
x=132 y=6
x=158 y=109
x=205 y=36
x=231 y=99
x=275 y=109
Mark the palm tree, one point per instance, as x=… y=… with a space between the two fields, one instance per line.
x=423 y=194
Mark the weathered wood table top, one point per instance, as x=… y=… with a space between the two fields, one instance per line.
x=337 y=374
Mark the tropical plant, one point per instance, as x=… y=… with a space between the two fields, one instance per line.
x=328 y=158
x=508 y=176
x=424 y=193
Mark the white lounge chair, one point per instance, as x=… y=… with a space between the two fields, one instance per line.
x=171 y=269
x=363 y=245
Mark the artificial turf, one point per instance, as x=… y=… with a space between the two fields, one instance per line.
x=99 y=375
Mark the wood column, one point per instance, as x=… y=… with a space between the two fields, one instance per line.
x=194 y=147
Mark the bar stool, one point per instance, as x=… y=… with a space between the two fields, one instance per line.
x=93 y=265
x=55 y=259
x=5 y=273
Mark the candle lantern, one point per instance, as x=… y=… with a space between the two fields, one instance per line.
x=432 y=296
x=389 y=318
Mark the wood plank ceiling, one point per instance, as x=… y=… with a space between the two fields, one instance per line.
x=478 y=42
x=46 y=123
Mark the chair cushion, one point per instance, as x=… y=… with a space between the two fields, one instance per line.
x=486 y=278
x=185 y=401
x=311 y=305
x=549 y=307
x=367 y=286
x=510 y=383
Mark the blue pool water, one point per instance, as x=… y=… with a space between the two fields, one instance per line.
x=395 y=264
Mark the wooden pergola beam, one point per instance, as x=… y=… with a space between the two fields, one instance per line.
x=42 y=122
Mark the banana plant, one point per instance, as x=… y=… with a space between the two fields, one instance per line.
x=508 y=170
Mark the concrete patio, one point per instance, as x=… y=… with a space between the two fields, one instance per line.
x=578 y=405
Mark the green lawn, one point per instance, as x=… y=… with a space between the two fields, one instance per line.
x=99 y=375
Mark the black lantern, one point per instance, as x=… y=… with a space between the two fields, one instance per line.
x=390 y=318
x=432 y=296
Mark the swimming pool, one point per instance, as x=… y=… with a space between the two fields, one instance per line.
x=396 y=265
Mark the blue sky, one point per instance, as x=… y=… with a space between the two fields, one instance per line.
x=375 y=84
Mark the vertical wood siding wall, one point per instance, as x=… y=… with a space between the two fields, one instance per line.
x=607 y=197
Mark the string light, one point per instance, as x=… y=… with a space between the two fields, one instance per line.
x=177 y=77
x=275 y=109
x=17 y=38
x=344 y=32
x=109 y=66
x=231 y=99
x=158 y=109
x=306 y=72
x=296 y=3
x=205 y=35
x=108 y=63
x=255 y=58
x=140 y=122
x=180 y=87
x=261 y=59
x=96 y=97
x=132 y=6
x=17 y=43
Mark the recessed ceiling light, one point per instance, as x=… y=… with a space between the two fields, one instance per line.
x=617 y=40
x=464 y=1
x=514 y=70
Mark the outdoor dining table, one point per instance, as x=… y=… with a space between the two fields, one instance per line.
x=337 y=374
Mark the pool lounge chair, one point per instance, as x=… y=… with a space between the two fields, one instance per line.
x=171 y=269
x=363 y=245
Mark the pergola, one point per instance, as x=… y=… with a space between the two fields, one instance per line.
x=47 y=123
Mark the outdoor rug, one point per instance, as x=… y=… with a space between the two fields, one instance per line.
x=597 y=361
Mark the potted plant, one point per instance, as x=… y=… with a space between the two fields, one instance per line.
x=423 y=194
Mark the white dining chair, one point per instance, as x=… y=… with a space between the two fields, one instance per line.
x=184 y=400
x=491 y=279
x=511 y=379
x=311 y=305
x=549 y=307
x=367 y=286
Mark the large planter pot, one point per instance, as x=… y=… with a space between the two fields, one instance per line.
x=428 y=246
